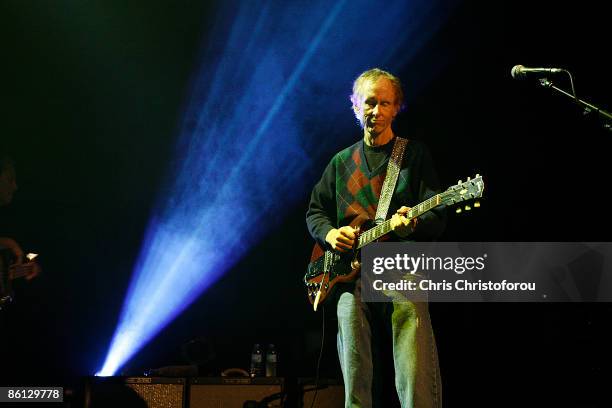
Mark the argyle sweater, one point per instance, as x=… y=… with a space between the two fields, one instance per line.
x=349 y=188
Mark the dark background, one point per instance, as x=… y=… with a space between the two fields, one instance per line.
x=90 y=101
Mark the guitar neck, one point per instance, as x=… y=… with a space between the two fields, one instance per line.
x=384 y=228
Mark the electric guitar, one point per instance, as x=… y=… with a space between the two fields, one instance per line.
x=329 y=267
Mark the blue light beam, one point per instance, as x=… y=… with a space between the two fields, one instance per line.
x=265 y=105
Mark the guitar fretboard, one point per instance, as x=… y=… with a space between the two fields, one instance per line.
x=384 y=228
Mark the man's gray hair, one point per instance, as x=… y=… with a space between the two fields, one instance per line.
x=372 y=75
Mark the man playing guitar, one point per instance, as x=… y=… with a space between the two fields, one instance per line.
x=350 y=189
x=13 y=263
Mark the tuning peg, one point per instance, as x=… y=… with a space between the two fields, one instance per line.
x=459 y=182
x=477 y=175
x=476 y=204
x=458 y=210
x=468 y=208
x=468 y=179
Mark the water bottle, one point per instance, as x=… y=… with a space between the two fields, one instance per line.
x=256 y=362
x=271 y=361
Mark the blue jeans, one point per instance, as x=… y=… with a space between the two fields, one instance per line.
x=415 y=359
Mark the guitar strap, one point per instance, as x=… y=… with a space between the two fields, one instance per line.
x=393 y=170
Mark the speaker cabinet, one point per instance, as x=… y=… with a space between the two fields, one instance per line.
x=137 y=392
x=329 y=395
x=231 y=392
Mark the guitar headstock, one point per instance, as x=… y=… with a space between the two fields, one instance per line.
x=469 y=190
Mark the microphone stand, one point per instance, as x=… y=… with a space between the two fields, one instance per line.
x=606 y=117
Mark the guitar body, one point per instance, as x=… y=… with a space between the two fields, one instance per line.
x=9 y=272
x=328 y=267
x=325 y=275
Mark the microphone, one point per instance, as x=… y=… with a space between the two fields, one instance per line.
x=519 y=71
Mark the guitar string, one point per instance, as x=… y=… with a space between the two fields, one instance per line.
x=385 y=227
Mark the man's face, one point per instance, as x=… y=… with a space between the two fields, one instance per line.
x=8 y=185
x=377 y=105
